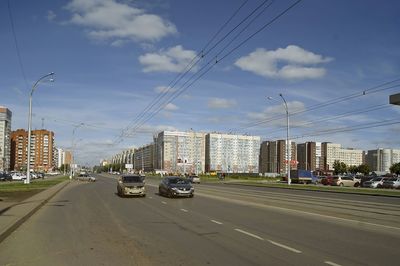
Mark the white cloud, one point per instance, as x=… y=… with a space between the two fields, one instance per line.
x=218 y=103
x=163 y=89
x=297 y=63
x=175 y=59
x=171 y=107
x=51 y=15
x=111 y=20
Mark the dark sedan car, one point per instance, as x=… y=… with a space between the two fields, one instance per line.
x=174 y=186
x=5 y=177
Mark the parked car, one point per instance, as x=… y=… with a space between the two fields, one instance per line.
x=86 y=177
x=131 y=185
x=194 y=179
x=176 y=186
x=18 y=176
x=375 y=182
x=346 y=181
x=327 y=181
x=5 y=177
x=393 y=182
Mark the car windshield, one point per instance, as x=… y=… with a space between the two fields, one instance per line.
x=132 y=179
x=178 y=181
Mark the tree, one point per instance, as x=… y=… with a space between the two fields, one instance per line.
x=395 y=169
x=353 y=169
x=340 y=167
x=364 y=169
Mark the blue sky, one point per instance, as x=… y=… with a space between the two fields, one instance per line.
x=113 y=58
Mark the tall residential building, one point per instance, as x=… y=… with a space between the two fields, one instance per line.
x=180 y=152
x=309 y=156
x=273 y=156
x=143 y=158
x=332 y=152
x=5 y=138
x=60 y=157
x=382 y=159
x=232 y=153
x=41 y=150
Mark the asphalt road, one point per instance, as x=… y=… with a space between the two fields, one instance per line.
x=88 y=224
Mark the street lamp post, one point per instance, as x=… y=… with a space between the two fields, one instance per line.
x=71 y=174
x=288 y=148
x=28 y=163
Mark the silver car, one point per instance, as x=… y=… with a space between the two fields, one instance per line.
x=131 y=185
x=375 y=182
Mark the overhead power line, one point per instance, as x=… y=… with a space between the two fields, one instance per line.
x=211 y=64
x=379 y=88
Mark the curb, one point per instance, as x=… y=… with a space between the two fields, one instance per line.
x=23 y=213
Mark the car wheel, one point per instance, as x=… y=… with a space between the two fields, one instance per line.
x=159 y=192
x=356 y=184
x=191 y=196
x=170 y=194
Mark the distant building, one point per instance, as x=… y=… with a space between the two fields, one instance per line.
x=273 y=156
x=332 y=152
x=381 y=160
x=179 y=152
x=41 y=150
x=232 y=153
x=309 y=156
x=5 y=138
x=144 y=158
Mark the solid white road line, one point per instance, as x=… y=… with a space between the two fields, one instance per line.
x=214 y=221
x=249 y=234
x=163 y=202
x=184 y=210
x=332 y=263
x=284 y=246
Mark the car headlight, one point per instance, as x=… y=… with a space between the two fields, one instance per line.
x=174 y=188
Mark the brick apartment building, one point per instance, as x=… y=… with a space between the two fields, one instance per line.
x=42 y=149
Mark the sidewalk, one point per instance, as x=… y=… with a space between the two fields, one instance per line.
x=13 y=214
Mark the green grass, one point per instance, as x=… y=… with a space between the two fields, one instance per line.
x=34 y=185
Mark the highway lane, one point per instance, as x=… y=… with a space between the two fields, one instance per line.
x=87 y=224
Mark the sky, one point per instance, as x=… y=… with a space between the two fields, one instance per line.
x=125 y=70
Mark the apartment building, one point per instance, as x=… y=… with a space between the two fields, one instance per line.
x=309 y=156
x=382 y=159
x=232 y=153
x=144 y=158
x=42 y=143
x=5 y=138
x=273 y=156
x=180 y=152
x=332 y=151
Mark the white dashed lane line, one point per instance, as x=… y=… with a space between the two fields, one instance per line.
x=214 y=221
x=184 y=210
x=331 y=263
x=284 y=246
x=249 y=234
x=163 y=202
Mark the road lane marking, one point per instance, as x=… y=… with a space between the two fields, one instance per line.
x=214 y=221
x=249 y=234
x=163 y=202
x=184 y=210
x=284 y=246
x=332 y=263
x=150 y=197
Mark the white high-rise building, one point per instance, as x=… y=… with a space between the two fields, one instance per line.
x=382 y=159
x=60 y=157
x=180 y=152
x=332 y=152
x=232 y=153
x=5 y=138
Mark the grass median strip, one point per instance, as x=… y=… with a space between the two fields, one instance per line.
x=6 y=187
